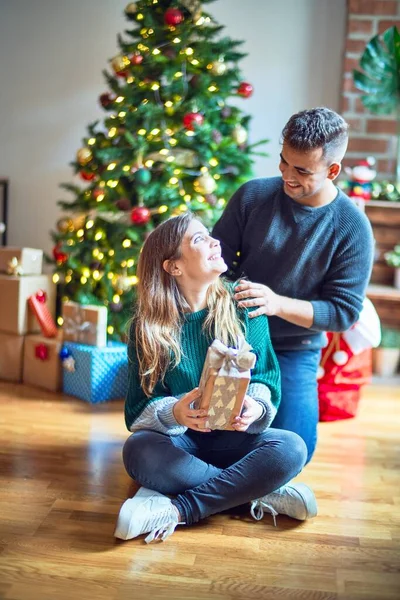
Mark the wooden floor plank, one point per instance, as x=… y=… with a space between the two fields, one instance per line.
x=62 y=482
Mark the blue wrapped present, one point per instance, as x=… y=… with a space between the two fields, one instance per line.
x=95 y=374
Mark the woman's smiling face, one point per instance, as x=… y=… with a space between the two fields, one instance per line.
x=200 y=258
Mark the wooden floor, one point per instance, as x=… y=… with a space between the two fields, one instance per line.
x=62 y=482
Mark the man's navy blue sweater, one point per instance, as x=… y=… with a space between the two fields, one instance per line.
x=323 y=255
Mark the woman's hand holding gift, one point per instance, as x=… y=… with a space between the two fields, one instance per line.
x=190 y=417
x=252 y=411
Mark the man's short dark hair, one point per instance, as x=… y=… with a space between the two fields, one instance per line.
x=317 y=128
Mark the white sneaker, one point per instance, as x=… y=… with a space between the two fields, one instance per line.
x=296 y=500
x=147 y=512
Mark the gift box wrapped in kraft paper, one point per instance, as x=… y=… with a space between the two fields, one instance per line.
x=21 y=261
x=224 y=382
x=85 y=324
x=42 y=364
x=15 y=316
x=11 y=356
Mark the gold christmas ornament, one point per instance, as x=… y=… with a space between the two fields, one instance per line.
x=194 y=7
x=239 y=134
x=78 y=221
x=63 y=225
x=122 y=283
x=84 y=156
x=131 y=8
x=205 y=184
x=218 y=67
x=120 y=63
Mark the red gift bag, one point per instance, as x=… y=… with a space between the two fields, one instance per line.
x=340 y=378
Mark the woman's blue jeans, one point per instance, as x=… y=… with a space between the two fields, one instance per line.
x=212 y=472
x=298 y=410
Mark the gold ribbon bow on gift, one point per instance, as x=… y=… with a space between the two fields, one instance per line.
x=14 y=267
x=227 y=360
x=78 y=327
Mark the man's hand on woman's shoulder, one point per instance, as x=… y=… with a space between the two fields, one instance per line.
x=249 y=294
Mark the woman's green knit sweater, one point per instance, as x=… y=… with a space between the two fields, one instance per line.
x=156 y=412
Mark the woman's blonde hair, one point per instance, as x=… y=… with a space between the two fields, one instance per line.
x=158 y=316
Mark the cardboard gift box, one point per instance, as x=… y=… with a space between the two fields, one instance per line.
x=95 y=374
x=15 y=316
x=42 y=363
x=11 y=356
x=86 y=324
x=224 y=382
x=21 y=261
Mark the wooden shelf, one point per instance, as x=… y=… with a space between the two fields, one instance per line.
x=383 y=292
x=386 y=300
x=385 y=221
x=382 y=203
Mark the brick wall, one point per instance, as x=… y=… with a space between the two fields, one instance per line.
x=370 y=135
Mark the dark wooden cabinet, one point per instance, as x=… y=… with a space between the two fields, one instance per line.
x=385 y=221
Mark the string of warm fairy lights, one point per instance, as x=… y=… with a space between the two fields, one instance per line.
x=87 y=226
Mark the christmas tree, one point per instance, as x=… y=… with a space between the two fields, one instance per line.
x=169 y=142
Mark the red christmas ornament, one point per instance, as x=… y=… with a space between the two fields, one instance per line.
x=136 y=58
x=42 y=352
x=173 y=16
x=107 y=99
x=245 y=89
x=87 y=175
x=190 y=120
x=124 y=74
x=60 y=257
x=140 y=215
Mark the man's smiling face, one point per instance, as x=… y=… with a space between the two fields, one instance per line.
x=305 y=174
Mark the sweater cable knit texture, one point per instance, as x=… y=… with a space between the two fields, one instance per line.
x=156 y=412
x=323 y=255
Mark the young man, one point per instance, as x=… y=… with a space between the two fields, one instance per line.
x=307 y=253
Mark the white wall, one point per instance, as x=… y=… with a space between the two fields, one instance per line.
x=52 y=56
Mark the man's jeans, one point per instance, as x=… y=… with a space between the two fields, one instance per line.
x=212 y=472
x=298 y=410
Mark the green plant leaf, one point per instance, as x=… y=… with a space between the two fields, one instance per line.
x=366 y=84
x=379 y=105
x=380 y=80
x=375 y=56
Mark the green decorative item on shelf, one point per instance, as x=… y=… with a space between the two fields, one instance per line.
x=393 y=257
x=386 y=191
x=380 y=63
x=390 y=338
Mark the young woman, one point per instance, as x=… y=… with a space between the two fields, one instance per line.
x=183 y=306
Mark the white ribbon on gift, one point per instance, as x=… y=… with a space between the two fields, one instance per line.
x=228 y=361
x=78 y=327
